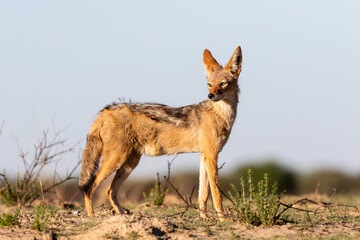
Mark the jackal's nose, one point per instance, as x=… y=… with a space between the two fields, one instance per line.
x=211 y=96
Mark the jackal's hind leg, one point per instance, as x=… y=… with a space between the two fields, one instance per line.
x=120 y=176
x=109 y=164
x=203 y=187
x=88 y=203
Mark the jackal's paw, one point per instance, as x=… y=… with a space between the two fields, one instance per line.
x=221 y=217
x=127 y=211
x=205 y=217
x=121 y=211
x=91 y=214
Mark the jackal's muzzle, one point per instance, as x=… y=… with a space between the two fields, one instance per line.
x=214 y=97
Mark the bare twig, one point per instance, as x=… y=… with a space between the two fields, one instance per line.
x=168 y=172
x=190 y=197
x=46 y=152
x=177 y=191
x=292 y=207
x=222 y=192
x=222 y=165
x=186 y=200
x=325 y=205
x=334 y=193
x=1 y=128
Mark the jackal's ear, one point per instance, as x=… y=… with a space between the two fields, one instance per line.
x=234 y=64
x=209 y=61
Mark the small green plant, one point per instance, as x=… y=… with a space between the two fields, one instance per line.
x=133 y=235
x=112 y=236
x=256 y=205
x=157 y=194
x=42 y=216
x=208 y=231
x=19 y=192
x=10 y=219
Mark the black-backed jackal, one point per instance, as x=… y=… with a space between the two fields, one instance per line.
x=122 y=132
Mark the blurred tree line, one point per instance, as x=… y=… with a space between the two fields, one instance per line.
x=320 y=181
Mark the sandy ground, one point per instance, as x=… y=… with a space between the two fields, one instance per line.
x=167 y=223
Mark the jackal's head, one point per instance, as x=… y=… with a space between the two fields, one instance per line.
x=222 y=82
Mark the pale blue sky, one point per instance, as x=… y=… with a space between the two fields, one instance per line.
x=63 y=61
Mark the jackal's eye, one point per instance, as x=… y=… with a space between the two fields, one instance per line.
x=223 y=84
x=209 y=84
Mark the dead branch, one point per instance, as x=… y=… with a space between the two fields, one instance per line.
x=222 y=192
x=177 y=191
x=222 y=165
x=186 y=200
x=46 y=152
x=190 y=197
x=321 y=205
x=168 y=172
x=1 y=128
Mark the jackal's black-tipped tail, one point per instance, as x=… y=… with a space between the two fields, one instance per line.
x=90 y=160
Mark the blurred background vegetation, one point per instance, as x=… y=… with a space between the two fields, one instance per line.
x=294 y=183
x=322 y=181
x=316 y=182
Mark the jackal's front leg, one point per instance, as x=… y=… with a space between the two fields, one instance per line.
x=203 y=187
x=212 y=171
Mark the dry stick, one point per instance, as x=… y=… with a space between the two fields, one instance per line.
x=1 y=128
x=74 y=195
x=45 y=153
x=329 y=204
x=67 y=178
x=190 y=197
x=222 y=165
x=291 y=206
x=309 y=219
x=325 y=205
x=277 y=209
x=42 y=192
x=188 y=205
x=222 y=192
x=189 y=201
x=46 y=208
x=183 y=213
x=177 y=191
x=43 y=198
x=332 y=197
x=168 y=173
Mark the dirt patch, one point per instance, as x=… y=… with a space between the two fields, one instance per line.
x=169 y=222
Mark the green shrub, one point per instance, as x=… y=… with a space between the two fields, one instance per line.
x=256 y=205
x=42 y=216
x=20 y=192
x=10 y=219
x=156 y=195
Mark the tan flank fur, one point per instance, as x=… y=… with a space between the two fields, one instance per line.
x=122 y=132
